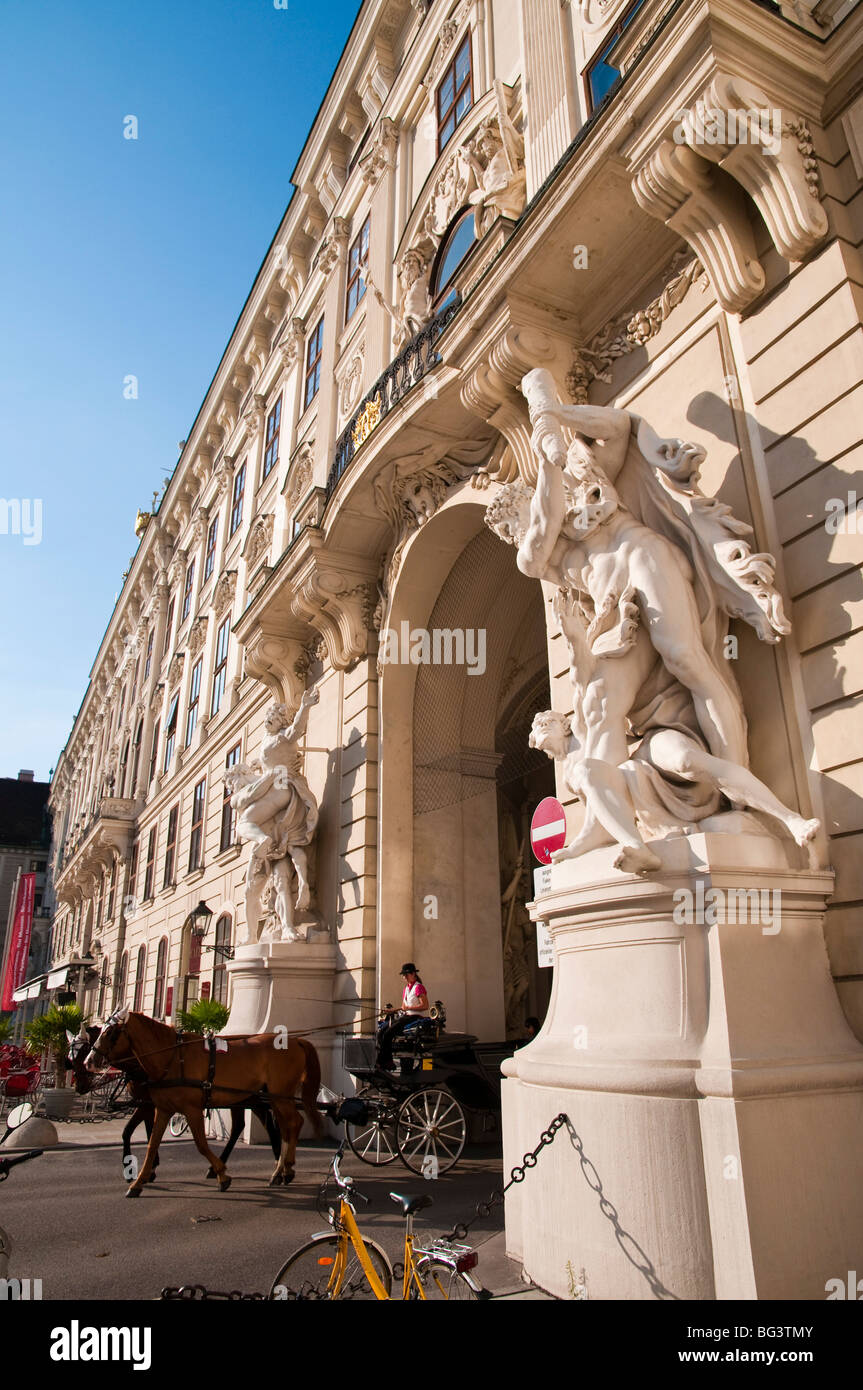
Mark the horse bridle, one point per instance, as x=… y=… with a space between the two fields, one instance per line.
x=113 y=1028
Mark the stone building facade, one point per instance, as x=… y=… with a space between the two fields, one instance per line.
x=660 y=204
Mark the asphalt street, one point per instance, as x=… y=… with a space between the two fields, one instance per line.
x=72 y=1226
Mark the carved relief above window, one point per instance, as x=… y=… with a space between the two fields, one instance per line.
x=223 y=594
x=259 y=539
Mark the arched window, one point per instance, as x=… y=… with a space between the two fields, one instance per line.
x=136 y=757
x=139 y=979
x=103 y=988
x=192 y=984
x=453 y=249
x=220 y=974
x=121 y=772
x=161 y=971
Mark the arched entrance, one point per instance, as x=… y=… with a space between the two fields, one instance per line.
x=458 y=781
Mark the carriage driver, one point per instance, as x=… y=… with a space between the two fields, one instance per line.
x=415 y=1004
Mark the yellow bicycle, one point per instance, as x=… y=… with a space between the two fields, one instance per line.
x=342 y=1263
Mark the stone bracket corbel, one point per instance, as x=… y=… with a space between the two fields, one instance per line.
x=336 y=596
x=271 y=658
x=679 y=187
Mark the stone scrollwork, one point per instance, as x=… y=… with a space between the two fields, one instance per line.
x=592 y=16
x=302 y=471
x=197 y=635
x=647 y=572
x=380 y=155
x=339 y=605
x=259 y=539
x=175 y=670
x=223 y=594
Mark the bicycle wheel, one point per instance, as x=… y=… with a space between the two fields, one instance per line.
x=440 y=1282
x=375 y=1141
x=430 y=1132
x=179 y=1124
x=306 y=1274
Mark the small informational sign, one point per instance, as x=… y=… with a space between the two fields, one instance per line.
x=547 y=829
x=205 y=989
x=544 y=948
x=169 y=1001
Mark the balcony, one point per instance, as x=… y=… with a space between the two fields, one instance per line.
x=108 y=830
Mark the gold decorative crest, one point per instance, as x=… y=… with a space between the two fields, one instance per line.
x=368 y=418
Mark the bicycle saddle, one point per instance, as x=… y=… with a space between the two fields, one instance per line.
x=409 y=1205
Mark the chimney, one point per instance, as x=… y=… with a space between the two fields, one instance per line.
x=25 y=775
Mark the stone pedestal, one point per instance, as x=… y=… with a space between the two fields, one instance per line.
x=283 y=984
x=714 y=1087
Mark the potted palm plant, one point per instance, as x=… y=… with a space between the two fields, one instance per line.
x=206 y=1016
x=50 y=1033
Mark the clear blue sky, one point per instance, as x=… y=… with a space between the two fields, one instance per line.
x=123 y=257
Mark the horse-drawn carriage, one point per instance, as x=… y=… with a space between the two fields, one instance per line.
x=417 y=1113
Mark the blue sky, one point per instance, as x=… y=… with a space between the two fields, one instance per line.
x=123 y=257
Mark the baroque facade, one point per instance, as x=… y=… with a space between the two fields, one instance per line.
x=658 y=204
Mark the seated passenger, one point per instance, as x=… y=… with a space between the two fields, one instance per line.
x=415 y=1005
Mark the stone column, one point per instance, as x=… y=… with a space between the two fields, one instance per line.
x=714 y=1088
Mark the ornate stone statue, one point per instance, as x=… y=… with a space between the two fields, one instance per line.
x=496 y=156
x=277 y=814
x=415 y=306
x=648 y=571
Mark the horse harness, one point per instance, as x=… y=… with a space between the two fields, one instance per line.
x=207 y=1085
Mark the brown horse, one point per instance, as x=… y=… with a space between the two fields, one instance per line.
x=181 y=1077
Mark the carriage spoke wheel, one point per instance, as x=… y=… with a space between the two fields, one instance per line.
x=375 y=1141
x=431 y=1126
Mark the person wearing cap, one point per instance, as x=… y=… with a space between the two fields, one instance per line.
x=415 y=1004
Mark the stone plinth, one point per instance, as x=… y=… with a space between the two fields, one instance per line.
x=284 y=984
x=714 y=1085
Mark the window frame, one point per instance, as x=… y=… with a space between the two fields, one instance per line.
x=196 y=838
x=194 y=700
x=188 y=590
x=355 y=281
x=220 y=667
x=133 y=870
x=313 y=363
x=161 y=977
x=150 y=865
x=148 y=661
x=169 y=623
x=210 y=551
x=271 y=439
x=140 y=979
x=450 y=70
x=227 y=832
x=237 y=500
x=169 y=877
x=608 y=42
x=171 y=730
x=219 y=988
x=154 y=750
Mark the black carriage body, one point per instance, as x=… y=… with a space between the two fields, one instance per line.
x=467 y=1068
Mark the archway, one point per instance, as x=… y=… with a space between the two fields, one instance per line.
x=457 y=779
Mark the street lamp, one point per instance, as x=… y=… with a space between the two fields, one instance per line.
x=199 y=919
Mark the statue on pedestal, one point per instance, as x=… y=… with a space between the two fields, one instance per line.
x=648 y=571
x=277 y=814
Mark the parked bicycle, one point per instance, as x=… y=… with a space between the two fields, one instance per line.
x=343 y=1264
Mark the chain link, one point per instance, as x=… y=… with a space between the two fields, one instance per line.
x=197 y=1292
x=517 y=1174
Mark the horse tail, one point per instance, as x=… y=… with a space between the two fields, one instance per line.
x=311 y=1086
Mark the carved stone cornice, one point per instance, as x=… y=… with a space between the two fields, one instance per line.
x=380 y=155
x=259 y=538
x=272 y=659
x=175 y=670
x=331 y=594
x=223 y=594
x=197 y=634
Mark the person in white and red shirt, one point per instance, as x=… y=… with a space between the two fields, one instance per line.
x=415 y=1004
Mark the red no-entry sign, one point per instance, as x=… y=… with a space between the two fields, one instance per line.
x=548 y=829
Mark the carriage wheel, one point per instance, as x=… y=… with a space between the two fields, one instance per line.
x=375 y=1141
x=430 y=1132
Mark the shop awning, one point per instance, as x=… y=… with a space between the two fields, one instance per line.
x=31 y=989
x=57 y=978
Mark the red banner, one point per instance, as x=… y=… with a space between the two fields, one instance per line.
x=19 y=946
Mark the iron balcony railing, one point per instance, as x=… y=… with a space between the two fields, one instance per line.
x=416 y=358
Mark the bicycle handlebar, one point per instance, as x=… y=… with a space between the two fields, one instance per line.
x=8 y=1163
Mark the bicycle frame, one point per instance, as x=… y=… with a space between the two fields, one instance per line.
x=349 y=1234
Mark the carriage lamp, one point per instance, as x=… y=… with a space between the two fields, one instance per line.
x=199 y=919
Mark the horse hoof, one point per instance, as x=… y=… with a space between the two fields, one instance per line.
x=224 y=1184
x=133 y=1192
x=288 y=1177
x=211 y=1172
x=275 y=1180
x=152 y=1177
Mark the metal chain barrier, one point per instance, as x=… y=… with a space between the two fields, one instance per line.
x=517 y=1174
x=190 y=1293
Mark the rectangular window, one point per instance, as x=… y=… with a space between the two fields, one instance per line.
x=314 y=353
x=221 y=667
x=197 y=840
x=271 y=442
x=171 y=731
x=187 y=591
x=150 y=866
x=112 y=891
x=149 y=661
x=455 y=94
x=171 y=847
x=168 y=628
x=229 y=815
x=194 y=697
x=237 y=498
x=358 y=259
x=133 y=874
x=601 y=76
x=154 y=752
x=210 y=555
